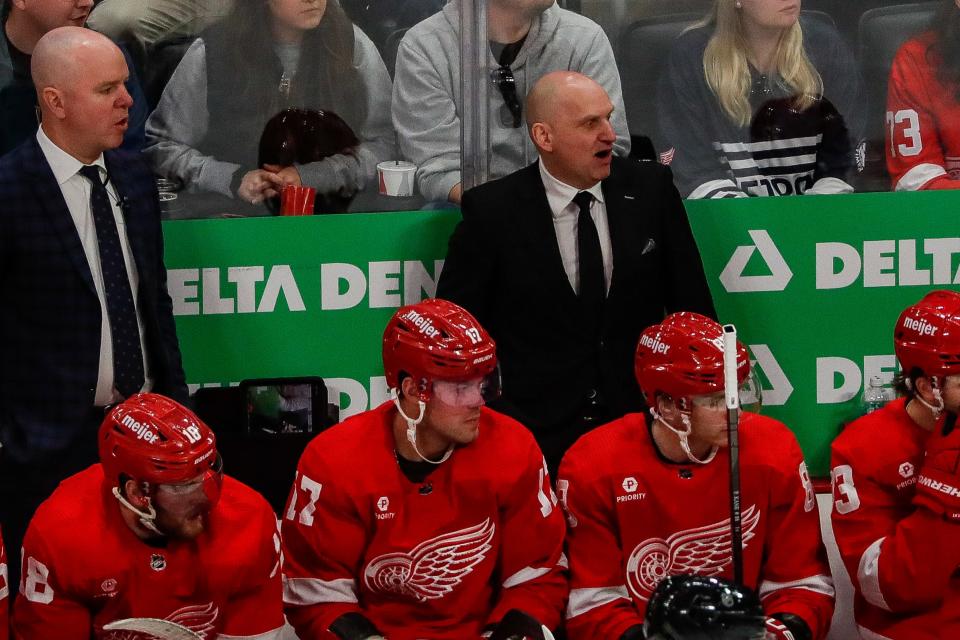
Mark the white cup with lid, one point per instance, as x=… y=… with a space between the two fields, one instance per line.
x=396 y=178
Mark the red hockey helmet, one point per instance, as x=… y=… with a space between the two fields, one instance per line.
x=436 y=340
x=153 y=439
x=683 y=357
x=927 y=335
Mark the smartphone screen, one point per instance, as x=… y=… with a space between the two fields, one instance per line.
x=285 y=407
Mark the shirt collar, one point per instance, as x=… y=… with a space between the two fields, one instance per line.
x=63 y=165
x=560 y=194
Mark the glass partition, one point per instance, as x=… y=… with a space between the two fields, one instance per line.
x=247 y=97
x=739 y=97
x=754 y=97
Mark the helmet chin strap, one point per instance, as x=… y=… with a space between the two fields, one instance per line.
x=147 y=517
x=412 y=428
x=684 y=436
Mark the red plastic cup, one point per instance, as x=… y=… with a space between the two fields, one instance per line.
x=297 y=201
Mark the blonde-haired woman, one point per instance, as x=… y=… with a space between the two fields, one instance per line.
x=757 y=100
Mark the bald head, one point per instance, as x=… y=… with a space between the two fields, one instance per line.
x=64 y=53
x=553 y=92
x=568 y=115
x=80 y=77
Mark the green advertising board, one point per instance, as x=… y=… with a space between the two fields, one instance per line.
x=813 y=284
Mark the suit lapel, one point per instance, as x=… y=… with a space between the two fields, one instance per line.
x=618 y=221
x=541 y=236
x=54 y=208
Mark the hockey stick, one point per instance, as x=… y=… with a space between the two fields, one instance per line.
x=518 y=624
x=159 y=629
x=732 y=392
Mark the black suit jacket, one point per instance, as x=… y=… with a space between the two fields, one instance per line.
x=50 y=318
x=504 y=266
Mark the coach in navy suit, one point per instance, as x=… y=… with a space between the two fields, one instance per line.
x=86 y=319
x=566 y=261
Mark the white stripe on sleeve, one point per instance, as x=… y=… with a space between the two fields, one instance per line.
x=307 y=591
x=868 y=574
x=583 y=600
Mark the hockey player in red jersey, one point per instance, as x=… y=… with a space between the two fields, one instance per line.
x=430 y=516
x=155 y=530
x=647 y=497
x=4 y=594
x=895 y=478
x=923 y=108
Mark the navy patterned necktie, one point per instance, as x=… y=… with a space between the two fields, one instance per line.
x=592 y=285
x=124 y=332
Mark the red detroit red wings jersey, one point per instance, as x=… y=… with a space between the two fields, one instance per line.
x=634 y=519
x=439 y=559
x=923 y=122
x=902 y=560
x=83 y=567
x=4 y=594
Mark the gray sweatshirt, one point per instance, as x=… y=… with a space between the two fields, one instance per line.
x=427 y=105
x=180 y=122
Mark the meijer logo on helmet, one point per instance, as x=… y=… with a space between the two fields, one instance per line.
x=921 y=326
x=425 y=325
x=141 y=430
x=654 y=344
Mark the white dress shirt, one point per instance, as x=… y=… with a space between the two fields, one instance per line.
x=76 y=193
x=565 y=213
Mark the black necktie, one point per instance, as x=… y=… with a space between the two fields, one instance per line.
x=592 y=286
x=127 y=355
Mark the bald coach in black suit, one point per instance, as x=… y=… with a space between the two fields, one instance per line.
x=86 y=320
x=566 y=295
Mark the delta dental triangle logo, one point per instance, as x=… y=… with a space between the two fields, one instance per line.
x=780 y=274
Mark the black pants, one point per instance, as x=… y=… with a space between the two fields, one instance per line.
x=24 y=485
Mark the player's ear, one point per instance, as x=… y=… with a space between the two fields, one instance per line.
x=923 y=387
x=135 y=492
x=666 y=407
x=409 y=387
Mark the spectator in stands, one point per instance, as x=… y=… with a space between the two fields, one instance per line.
x=528 y=39
x=567 y=260
x=896 y=510
x=757 y=100
x=24 y=23
x=265 y=57
x=923 y=108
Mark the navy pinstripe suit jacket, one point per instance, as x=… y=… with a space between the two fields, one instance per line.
x=49 y=311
